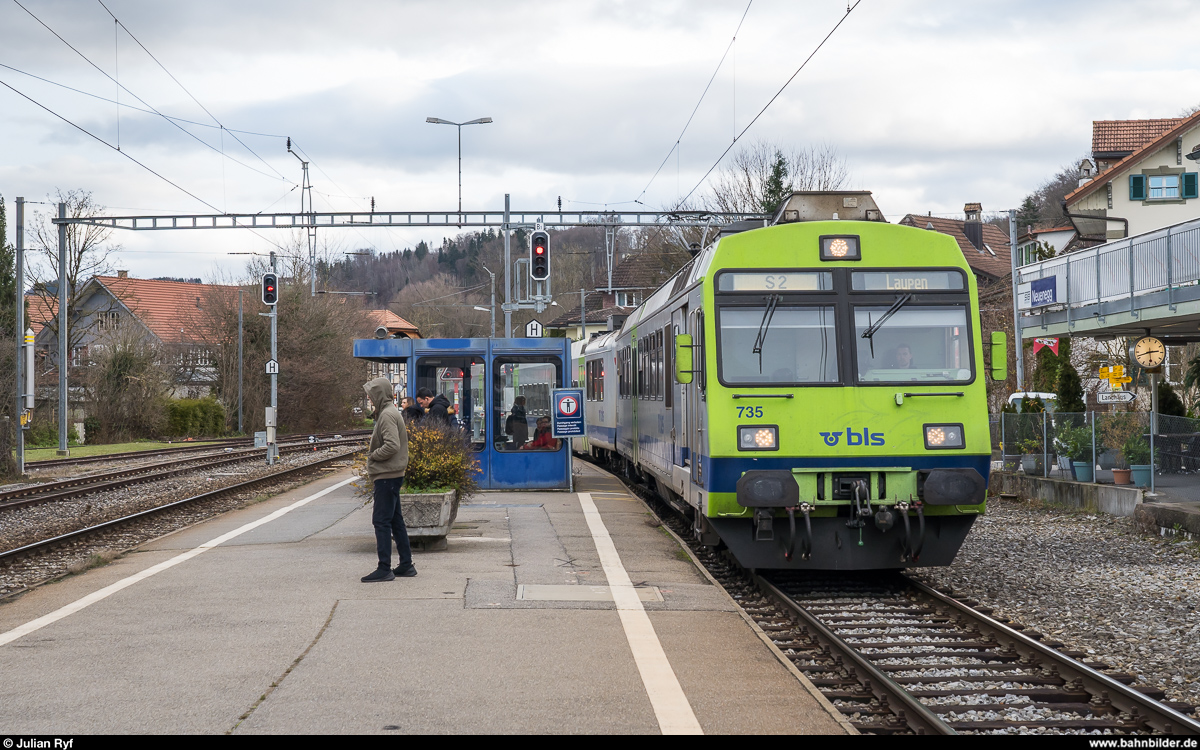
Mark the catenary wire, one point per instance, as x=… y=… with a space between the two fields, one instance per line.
x=185 y=89
x=140 y=99
x=771 y=101
x=160 y=176
x=696 y=109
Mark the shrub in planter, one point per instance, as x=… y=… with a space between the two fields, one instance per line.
x=440 y=459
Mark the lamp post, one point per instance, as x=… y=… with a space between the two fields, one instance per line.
x=459 y=125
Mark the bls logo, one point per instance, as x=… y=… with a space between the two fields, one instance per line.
x=854 y=438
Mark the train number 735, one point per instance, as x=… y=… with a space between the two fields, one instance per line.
x=745 y=412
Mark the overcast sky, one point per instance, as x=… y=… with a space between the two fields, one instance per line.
x=933 y=104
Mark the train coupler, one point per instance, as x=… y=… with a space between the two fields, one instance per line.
x=764 y=529
x=806 y=548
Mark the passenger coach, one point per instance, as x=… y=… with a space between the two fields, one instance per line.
x=811 y=393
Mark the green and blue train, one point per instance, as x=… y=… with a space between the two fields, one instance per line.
x=811 y=394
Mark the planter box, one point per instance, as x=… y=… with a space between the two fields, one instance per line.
x=1031 y=464
x=1139 y=474
x=428 y=517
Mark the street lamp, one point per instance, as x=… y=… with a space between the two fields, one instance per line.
x=459 y=125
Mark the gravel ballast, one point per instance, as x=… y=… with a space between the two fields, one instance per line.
x=1094 y=582
x=27 y=525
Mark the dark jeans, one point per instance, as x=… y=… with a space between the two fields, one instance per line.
x=389 y=523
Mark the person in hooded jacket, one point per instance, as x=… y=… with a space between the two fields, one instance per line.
x=387 y=460
x=437 y=408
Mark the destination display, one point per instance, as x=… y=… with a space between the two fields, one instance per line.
x=780 y=281
x=906 y=281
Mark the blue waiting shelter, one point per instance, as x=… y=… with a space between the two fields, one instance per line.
x=499 y=391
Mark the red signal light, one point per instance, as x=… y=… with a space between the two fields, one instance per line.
x=540 y=250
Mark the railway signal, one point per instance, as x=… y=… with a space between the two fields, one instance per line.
x=270 y=289
x=539 y=255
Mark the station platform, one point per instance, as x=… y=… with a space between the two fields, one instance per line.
x=550 y=612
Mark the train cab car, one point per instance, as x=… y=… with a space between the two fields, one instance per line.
x=812 y=393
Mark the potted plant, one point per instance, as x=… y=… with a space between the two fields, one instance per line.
x=1031 y=460
x=1116 y=430
x=442 y=471
x=1137 y=453
x=1075 y=445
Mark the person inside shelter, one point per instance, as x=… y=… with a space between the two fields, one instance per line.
x=517 y=424
x=542 y=438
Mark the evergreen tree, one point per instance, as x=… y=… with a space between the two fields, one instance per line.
x=422 y=250
x=776 y=188
x=1027 y=216
x=1169 y=402
x=1070 y=389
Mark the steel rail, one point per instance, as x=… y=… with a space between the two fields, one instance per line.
x=908 y=709
x=1154 y=713
x=13 y=554
x=41 y=494
x=183 y=448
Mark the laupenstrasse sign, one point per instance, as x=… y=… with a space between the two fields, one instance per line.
x=1038 y=293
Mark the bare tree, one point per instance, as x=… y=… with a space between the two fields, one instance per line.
x=125 y=386
x=440 y=308
x=320 y=381
x=89 y=254
x=745 y=181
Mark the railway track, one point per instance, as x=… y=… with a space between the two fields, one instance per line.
x=898 y=657
x=62 y=490
x=40 y=547
x=216 y=445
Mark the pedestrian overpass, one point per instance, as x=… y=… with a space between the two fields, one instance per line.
x=1146 y=284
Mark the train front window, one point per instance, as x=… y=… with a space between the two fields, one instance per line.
x=795 y=345
x=914 y=344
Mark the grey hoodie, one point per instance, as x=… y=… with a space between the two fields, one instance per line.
x=388 y=454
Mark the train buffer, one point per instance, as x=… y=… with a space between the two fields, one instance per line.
x=255 y=622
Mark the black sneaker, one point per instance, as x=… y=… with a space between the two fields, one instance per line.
x=404 y=571
x=380 y=574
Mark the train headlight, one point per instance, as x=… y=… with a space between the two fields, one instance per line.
x=758 y=438
x=944 y=437
x=840 y=247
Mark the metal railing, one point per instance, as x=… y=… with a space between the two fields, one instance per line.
x=1164 y=259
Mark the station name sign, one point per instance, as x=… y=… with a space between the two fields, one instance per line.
x=1038 y=293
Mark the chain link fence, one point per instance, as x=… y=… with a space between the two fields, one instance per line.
x=1119 y=448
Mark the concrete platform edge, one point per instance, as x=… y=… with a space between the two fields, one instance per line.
x=1099 y=498
x=832 y=710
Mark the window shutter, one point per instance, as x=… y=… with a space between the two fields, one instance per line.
x=1137 y=187
x=1190 y=188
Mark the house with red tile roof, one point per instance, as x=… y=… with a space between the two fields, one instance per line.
x=397 y=327
x=1145 y=178
x=172 y=314
x=985 y=246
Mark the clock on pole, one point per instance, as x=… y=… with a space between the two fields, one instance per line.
x=1149 y=352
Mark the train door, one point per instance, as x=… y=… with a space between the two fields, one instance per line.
x=676 y=391
x=695 y=440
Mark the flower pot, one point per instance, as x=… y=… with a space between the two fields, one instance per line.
x=1012 y=463
x=428 y=517
x=1140 y=474
x=1031 y=464
x=1120 y=476
x=1084 y=471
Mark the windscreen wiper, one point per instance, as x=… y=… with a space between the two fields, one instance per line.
x=761 y=338
x=872 y=328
